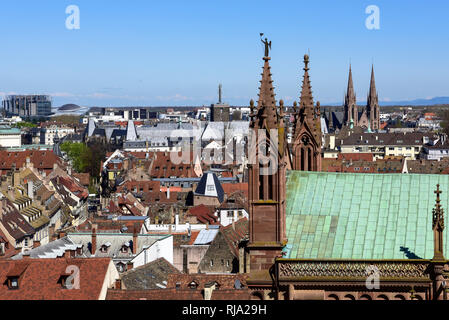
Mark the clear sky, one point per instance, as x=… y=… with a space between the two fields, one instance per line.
x=145 y=52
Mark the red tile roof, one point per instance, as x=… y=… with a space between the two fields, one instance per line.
x=41 y=160
x=35 y=284
x=230 y=188
x=204 y=214
x=75 y=188
x=146 y=186
x=13 y=222
x=110 y=225
x=226 y=290
x=163 y=167
x=356 y=156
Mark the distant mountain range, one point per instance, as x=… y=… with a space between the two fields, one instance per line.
x=416 y=102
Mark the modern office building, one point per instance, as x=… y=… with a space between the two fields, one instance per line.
x=27 y=105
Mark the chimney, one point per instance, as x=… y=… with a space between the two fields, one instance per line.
x=129 y=266
x=36 y=244
x=30 y=190
x=168 y=192
x=135 y=235
x=94 y=239
x=118 y=284
x=233 y=224
x=26 y=255
x=62 y=234
x=68 y=254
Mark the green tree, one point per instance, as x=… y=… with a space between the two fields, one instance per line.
x=79 y=154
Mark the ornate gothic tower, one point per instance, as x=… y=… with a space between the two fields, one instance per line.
x=350 y=106
x=266 y=181
x=306 y=147
x=372 y=106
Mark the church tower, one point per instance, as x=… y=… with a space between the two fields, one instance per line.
x=350 y=106
x=306 y=146
x=372 y=106
x=266 y=178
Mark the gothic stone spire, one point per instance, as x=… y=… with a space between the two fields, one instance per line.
x=438 y=227
x=306 y=100
x=266 y=105
x=350 y=107
x=372 y=106
x=307 y=129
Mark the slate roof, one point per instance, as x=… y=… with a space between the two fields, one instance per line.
x=387 y=139
x=355 y=216
x=210 y=179
x=152 y=275
x=115 y=242
x=235 y=233
x=53 y=249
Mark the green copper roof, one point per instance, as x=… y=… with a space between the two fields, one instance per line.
x=362 y=216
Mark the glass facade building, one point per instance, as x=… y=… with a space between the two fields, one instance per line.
x=27 y=105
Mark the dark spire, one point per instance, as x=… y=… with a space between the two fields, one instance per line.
x=350 y=107
x=350 y=93
x=372 y=106
x=372 y=95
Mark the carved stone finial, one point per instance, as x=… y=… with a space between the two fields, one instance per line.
x=438 y=227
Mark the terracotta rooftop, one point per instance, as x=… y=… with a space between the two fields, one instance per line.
x=229 y=188
x=204 y=214
x=41 y=160
x=13 y=222
x=34 y=284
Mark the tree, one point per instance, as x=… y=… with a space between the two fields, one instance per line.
x=444 y=115
x=79 y=154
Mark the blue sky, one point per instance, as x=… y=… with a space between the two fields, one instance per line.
x=177 y=52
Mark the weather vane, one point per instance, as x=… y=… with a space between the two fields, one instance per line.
x=267 y=45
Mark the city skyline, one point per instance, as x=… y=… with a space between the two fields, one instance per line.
x=177 y=53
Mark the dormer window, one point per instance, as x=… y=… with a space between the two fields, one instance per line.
x=125 y=248
x=13 y=283
x=63 y=281
x=193 y=285
x=105 y=247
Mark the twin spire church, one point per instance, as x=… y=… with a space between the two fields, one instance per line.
x=368 y=117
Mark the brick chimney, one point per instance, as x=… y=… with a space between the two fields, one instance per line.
x=94 y=239
x=26 y=255
x=118 y=284
x=129 y=266
x=135 y=236
x=51 y=232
